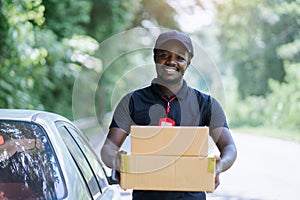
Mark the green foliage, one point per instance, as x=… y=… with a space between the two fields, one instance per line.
x=36 y=67
x=21 y=59
x=250 y=34
x=109 y=17
x=59 y=78
x=158 y=12
x=44 y=45
x=290 y=51
x=261 y=40
x=279 y=109
x=248 y=112
x=67 y=17
x=284 y=101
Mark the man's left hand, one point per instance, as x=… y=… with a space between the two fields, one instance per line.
x=218 y=171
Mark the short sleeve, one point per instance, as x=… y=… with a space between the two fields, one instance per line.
x=122 y=117
x=217 y=117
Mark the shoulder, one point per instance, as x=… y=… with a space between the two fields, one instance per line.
x=142 y=90
x=137 y=92
x=202 y=97
x=141 y=93
x=135 y=95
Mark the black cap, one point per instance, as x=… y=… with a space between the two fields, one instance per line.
x=175 y=35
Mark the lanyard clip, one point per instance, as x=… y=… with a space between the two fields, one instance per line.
x=168 y=104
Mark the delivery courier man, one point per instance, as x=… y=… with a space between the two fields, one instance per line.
x=170 y=101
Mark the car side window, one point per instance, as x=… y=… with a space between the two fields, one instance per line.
x=90 y=155
x=82 y=163
x=28 y=165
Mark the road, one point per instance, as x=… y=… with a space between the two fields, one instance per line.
x=265 y=169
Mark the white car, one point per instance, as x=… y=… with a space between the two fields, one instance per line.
x=45 y=156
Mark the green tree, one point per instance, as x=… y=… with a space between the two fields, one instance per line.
x=66 y=18
x=39 y=61
x=284 y=106
x=283 y=103
x=250 y=33
x=37 y=71
x=20 y=58
x=110 y=17
x=159 y=12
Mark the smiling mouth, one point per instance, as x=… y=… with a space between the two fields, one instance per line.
x=171 y=69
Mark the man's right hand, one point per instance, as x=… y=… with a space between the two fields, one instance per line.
x=110 y=154
x=118 y=162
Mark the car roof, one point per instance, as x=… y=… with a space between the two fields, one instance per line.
x=28 y=115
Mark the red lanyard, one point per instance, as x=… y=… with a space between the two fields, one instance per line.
x=168 y=103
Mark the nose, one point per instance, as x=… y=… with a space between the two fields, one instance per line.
x=171 y=60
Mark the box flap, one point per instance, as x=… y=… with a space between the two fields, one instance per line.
x=162 y=140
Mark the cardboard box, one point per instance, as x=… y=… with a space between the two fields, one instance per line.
x=169 y=173
x=165 y=140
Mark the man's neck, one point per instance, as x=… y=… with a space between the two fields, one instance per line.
x=169 y=88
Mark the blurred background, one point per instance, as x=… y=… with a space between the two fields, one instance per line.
x=255 y=46
x=78 y=58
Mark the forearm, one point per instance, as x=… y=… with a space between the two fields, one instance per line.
x=228 y=156
x=108 y=153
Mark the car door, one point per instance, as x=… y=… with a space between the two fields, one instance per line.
x=81 y=162
x=87 y=161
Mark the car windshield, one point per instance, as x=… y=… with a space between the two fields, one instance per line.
x=28 y=166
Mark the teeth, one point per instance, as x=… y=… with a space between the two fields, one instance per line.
x=170 y=70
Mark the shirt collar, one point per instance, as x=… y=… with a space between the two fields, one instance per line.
x=180 y=94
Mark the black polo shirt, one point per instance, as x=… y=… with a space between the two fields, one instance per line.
x=189 y=107
x=148 y=105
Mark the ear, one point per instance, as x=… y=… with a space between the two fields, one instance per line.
x=188 y=63
x=188 y=59
x=154 y=58
x=154 y=55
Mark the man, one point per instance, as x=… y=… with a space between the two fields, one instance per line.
x=168 y=100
